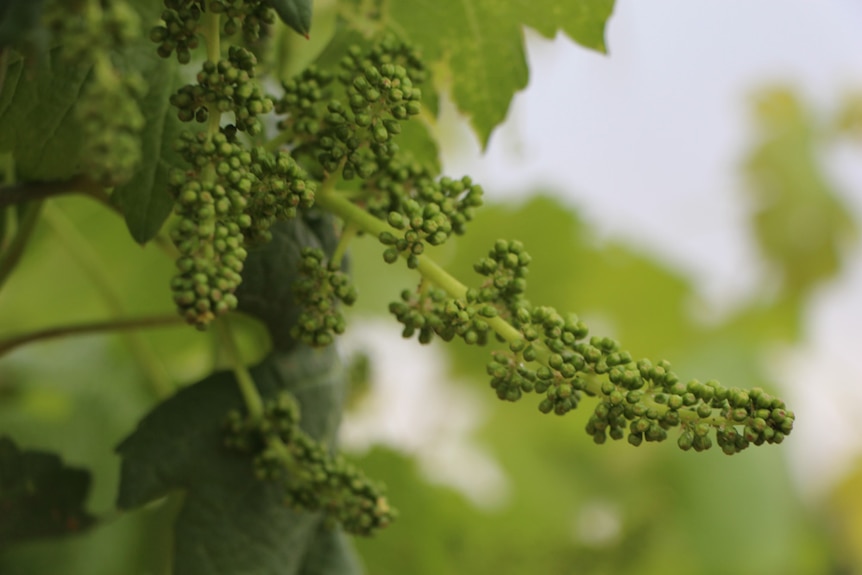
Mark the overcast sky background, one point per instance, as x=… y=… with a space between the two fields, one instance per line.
x=647 y=144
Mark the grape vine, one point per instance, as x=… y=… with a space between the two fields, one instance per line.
x=326 y=147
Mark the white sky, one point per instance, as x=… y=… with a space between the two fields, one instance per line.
x=647 y=143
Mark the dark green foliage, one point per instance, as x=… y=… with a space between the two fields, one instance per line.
x=294 y=13
x=330 y=553
x=39 y=495
x=230 y=521
x=34 y=111
x=19 y=23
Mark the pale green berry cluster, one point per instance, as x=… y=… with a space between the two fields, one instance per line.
x=430 y=215
x=352 y=132
x=318 y=291
x=312 y=478
x=219 y=216
x=250 y=16
x=303 y=102
x=223 y=87
x=178 y=31
x=553 y=356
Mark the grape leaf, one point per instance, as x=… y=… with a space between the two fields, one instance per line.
x=39 y=495
x=294 y=13
x=38 y=126
x=330 y=553
x=481 y=43
x=230 y=522
x=144 y=199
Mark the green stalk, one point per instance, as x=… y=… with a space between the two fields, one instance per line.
x=353 y=215
x=250 y=395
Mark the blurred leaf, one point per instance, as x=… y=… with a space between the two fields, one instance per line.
x=330 y=553
x=849 y=117
x=18 y=20
x=230 y=522
x=39 y=495
x=800 y=221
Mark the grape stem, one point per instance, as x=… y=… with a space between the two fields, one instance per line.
x=353 y=215
x=328 y=198
x=89 y=328
x=250 y=395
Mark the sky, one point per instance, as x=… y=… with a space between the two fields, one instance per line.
x=646 y=142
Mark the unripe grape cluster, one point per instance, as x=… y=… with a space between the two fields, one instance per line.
x=430 y=215
x=312 y=479
x=553 y=356
x=353 y=133
x=229 y=195
x=250 y=16
x=219 y=216
x=304 y=101
x=225 y=86
x=318 y=290
x=178 y=31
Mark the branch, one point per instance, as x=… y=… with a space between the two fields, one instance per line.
x=89 y=328
x=29 y=191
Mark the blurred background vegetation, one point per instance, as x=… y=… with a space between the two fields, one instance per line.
x=559 y=504
x=568 y=506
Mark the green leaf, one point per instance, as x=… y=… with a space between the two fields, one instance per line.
x=294 y=13
x=39 y=128
x=330 y=553
x=266 y=291
x=144 y=199
x=230 y=522
x=481 y=42
x=39 y=495
x=800 y=221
